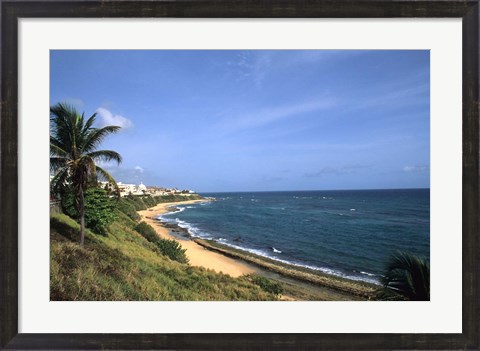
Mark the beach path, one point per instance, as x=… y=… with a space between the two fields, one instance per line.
x=198 y=255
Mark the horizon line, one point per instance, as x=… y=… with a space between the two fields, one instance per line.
x=279 y=191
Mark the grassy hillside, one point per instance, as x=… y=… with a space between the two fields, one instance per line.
x=123 y=265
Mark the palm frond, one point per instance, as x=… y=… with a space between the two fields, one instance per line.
x=63 y=126
x=105 y=156
x=60 y=180
x=107 y=176
x=57 y=163
x=96 y=136
x=56 y=150
x=90 y=121
x=63 y=110
x=85 y=130
x=408 y=276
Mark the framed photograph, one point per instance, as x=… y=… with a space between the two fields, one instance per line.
x=239 y=175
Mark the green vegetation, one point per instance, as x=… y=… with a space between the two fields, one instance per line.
x=128 y=209
x=99 y=209
x=124 y=266
x=407 y=277
x=175 y=198
x=170 y=248
x=73 y=155
x=136 y=201
x=147 y=232
x=266 y=284
x=139 y=203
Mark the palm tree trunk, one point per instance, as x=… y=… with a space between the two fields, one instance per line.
x=81 y=210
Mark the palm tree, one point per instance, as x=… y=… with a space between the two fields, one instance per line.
x=407 y=277
x=73 y=153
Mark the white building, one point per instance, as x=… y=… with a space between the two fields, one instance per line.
x=142 y=188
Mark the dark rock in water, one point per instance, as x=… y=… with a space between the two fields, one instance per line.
x=170 y=225
x=176 y=230
x=238 y=239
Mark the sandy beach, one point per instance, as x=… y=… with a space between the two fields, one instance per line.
x=198 y=255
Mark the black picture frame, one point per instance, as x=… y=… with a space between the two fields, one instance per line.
x=11 y=11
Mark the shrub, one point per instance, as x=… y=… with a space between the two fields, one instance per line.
x=266 y=284
x=173 y=250
x=170 y=248
x=128 y=208
x=123 y=219
x=147 y=232
x=137 y=202
x=149 y=201
x=99 y=209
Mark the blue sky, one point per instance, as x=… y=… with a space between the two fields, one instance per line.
x=257 y=120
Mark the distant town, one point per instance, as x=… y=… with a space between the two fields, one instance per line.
x=141 y=189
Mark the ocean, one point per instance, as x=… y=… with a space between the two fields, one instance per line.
x=348 y=233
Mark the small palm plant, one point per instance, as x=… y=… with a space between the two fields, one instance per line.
x=73 y=153
x=407 y=277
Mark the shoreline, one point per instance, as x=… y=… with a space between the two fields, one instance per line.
x=360 y=289
x=302 y=283
x=198 y=255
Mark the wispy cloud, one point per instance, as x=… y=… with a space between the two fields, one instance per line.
x=249 y=65
x=109 y=119
x=140 y=169
x=348 y=169
x=267 y=116
x=271 y=179
x=257 y=66
x=412 y=90
x=410 y=169
x=401 y=97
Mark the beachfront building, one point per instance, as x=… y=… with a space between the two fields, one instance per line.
x=160 y=191
x=131 y=189
x=124 y=188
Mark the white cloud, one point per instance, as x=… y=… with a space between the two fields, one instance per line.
x=138 y=168
x=415 y=168
x=109 y=119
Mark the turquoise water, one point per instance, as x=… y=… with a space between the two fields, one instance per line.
x=348 y=233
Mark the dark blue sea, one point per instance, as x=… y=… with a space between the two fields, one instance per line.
x=349 y=233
